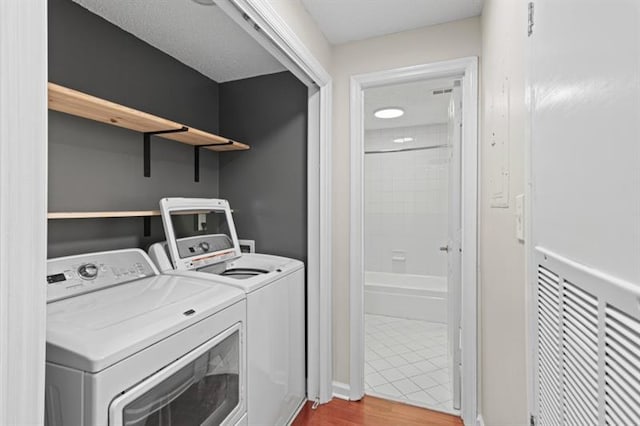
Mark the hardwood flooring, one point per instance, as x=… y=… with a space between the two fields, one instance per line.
x=371 y=412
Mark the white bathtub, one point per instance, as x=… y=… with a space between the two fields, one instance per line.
x=420 y=297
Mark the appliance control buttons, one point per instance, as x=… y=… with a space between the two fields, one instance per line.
x=88 y=271
x=205 y=246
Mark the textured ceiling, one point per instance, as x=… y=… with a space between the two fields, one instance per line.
x=342 y=21
x=421 y=106
x=202 y=37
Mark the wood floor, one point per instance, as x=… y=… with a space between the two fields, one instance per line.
x=371 y=412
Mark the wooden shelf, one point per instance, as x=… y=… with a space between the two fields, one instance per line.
x=82 y=105
x=115 y=213
x=93 y=215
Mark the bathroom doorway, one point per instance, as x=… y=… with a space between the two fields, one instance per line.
x=407 y=280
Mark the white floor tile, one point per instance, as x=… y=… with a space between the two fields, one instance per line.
x=439 y=393
x=408 y=360
x=408 y=370
x=375 y=379
x=388 y=389
x=422 y=398
x=424 y=380
x=379 y=364
x=405 y=386
x=392 y=374
x=426 y=366
x=412 y=357
x=396 y=361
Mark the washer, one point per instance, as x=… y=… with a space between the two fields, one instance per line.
x=127 y=346
x=274 y=287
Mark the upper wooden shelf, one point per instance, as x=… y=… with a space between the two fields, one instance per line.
x=80 y=104
x=115 y=213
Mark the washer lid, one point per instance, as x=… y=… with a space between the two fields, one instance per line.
x=92 y=331
x=200 y=231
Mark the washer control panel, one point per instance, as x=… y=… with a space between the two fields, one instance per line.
x=73 y=275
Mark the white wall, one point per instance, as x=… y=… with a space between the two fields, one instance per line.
x=503 y=369
x=298 y=19
x=437 y=43
x=406 y=196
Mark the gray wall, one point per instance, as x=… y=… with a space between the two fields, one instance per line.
x=267 y=185
x=93 y=166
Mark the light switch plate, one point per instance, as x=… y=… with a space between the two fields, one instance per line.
x=520 y=217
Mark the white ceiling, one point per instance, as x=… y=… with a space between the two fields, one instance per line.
x=421 y=106
x=348 y=20
x=202 y=37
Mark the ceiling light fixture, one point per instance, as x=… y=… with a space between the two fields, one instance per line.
x=389 y=112
x=205 y=2
x=403 y=140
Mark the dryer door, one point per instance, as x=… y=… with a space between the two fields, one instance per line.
x=205 y=387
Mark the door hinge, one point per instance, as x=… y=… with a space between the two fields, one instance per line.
x=530 y=23
x=532 y=420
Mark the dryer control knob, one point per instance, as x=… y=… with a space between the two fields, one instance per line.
x=88 y=271
x=204 y=246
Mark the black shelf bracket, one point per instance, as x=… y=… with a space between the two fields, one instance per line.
x=147 y=146
x=196 y=158
x=146 y=220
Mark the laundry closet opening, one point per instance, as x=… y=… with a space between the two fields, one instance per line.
x=190 y=63
x=411 y=242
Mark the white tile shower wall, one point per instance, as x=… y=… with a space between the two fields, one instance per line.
x=406 y=202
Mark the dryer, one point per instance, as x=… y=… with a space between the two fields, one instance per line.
x=274 y=288
x=127 y=346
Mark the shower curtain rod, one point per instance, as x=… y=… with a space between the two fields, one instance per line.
x=418 y=148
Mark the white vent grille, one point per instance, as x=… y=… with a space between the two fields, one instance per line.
x=588 y=346
x=549 y=395
x=579 y=355
x=622 y=368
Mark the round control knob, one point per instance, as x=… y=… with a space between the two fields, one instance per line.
x=88 y=271
x=204 y=246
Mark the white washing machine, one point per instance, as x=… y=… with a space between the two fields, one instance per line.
x=275 y=300
x=127 y=346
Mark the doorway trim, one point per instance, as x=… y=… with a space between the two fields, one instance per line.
x=260 y=20
x=23 y=210
x=467 y=70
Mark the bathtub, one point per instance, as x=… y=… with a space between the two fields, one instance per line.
x=420 y=297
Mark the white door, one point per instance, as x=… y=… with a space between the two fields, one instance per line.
x=584 y=91
x=454 y=244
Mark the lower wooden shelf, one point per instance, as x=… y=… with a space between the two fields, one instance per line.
x=105 y=214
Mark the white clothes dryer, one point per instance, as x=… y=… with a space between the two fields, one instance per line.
x=274 y=288
x=127 y=346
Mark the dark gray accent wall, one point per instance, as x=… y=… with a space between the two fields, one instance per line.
x=267 y=185
x=93 y=166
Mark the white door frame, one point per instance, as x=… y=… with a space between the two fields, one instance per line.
x=23 y=209
x=262 y=22
x=467 y=69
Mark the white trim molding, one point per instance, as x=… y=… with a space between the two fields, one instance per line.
x=262 y=22
x=467 y=70
x=341 y=390
x=23 y=210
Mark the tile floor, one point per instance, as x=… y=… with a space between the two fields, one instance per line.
x=406 y=360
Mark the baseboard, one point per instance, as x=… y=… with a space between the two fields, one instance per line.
x=479 y=420
x=341 y=390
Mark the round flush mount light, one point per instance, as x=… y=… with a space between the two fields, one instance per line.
x=390 y=112
x=403 y=140
x=205 y=2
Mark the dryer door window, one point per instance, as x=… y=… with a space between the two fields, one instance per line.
x=199 y=389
